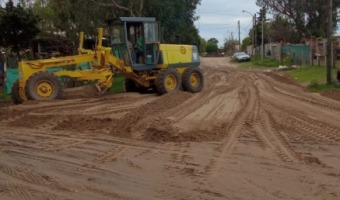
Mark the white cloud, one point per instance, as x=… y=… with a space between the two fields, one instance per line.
x=218 y=18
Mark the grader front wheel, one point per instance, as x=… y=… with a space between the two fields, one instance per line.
x=18 y=94
x=43 y=86
x=168 y=81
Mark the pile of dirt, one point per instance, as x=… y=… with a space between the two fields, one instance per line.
x=164 y=131
x=84 y=123
x=87 y=91
x=332 y=94
x=137 y=118
x=283 y=79
x=163 y=134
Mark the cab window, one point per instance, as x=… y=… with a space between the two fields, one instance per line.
x=151 y=32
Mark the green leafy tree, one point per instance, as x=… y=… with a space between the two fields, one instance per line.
x=261 y=19
x=211 y=48
x=280 y=30
x=212 y=45
x=18 y=27
x=246 y=42
x=308 y=17
x=203 y=45
x=177 y=19
x=71 y=16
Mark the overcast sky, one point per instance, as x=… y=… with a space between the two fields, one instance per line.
x=218 y=18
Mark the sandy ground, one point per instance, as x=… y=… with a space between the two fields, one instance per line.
x=247 y=135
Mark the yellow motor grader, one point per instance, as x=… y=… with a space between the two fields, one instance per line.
x=132 y=49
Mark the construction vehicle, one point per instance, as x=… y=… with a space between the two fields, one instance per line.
x=132 y=48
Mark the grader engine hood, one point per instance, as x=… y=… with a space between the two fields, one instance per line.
x=180 y=55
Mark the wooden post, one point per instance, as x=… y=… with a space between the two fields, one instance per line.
x=329 y=41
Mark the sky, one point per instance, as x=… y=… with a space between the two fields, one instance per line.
x=218 y=18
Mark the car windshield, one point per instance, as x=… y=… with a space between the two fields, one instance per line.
x=240 y=54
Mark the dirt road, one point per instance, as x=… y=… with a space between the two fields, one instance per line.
x=247 y=135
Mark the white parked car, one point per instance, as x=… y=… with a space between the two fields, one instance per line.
x=241 y=56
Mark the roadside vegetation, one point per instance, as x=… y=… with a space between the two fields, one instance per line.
x=313 y=77
x=117 y=84
x=257 y=62
x=4 y=97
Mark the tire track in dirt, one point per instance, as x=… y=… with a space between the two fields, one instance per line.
x=306 y=119
x=110 y=156
x=265 y=125
x=284 y=118
x=216 y=97
x=247 y=97
x=19 y=192
x=32 y=177
x=60 y=115
x=316 y=128
x=297 y=93
x=270 y=134
x=49 y=142
x=133 y=122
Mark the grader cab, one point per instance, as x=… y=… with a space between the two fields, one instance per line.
x=132 y=48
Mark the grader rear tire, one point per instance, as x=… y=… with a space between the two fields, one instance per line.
x=43 y=86
x=17 y=95
x=192 y=80
x=168 y=81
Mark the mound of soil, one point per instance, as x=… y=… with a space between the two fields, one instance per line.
x=332 y=94
x=87 y=91
x=283 y=79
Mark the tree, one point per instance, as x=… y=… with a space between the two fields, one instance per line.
x=246 y=42
x=71 y=16
x=280 y=30
x=18 y=27
x=203 y=45
x=230 y=44
x=308 y=17
x=177 y=19
x=212 y=45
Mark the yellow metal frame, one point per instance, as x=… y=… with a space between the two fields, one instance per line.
x=101 y=60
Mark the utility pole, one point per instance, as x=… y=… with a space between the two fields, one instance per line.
x=262 y=42
x=239 y=35
x=253 y=32
x=255 y=38
x=329 y=41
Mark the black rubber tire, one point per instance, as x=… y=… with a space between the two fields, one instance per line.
x=186 y=79
x=16 y=98
x=43 y=77
x=161 y=84
x=130 y=86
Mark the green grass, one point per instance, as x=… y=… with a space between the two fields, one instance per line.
x=317 y=87
x=5 y=97
x=308 y=74
x=314 y=77
x=117 y=84
x=265 y=63
x=258 y=63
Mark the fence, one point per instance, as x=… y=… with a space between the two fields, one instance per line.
x=299 y=54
